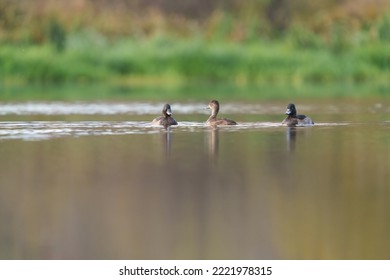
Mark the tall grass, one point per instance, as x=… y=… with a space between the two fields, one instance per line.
x=195 y=60
x=136 y=47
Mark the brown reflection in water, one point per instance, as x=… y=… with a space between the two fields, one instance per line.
x=291 y=135
x=213 y=145
x=167 y=140
x=118 y=197
x=335 y=204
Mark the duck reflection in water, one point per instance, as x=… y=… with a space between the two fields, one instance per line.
x=291 y=135
x=213 y=144
x=167 y=141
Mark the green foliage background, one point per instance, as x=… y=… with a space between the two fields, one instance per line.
x=174 y=44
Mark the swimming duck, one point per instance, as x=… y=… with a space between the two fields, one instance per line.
x=212 y=120
x=293 y=119
x=166 y=119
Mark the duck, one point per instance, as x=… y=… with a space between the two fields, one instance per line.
x=213 y=120
x=166 y=119
x=293 y=119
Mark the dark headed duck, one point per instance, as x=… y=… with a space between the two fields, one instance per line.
x=166 y=119
x=293 y=119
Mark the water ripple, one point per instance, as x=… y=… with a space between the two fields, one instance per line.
x=44 y=130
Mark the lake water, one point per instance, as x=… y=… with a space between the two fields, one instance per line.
x=96 y=181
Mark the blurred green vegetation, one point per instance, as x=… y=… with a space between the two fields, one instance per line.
x=168 y=44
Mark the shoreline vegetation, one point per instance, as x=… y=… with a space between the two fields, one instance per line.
x=241 y=49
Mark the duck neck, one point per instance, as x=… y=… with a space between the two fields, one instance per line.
x=214 y=113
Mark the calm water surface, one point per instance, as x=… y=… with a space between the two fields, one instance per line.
x=97 y=181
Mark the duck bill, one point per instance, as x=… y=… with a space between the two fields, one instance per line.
x=169 y=112
x=288 y=112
